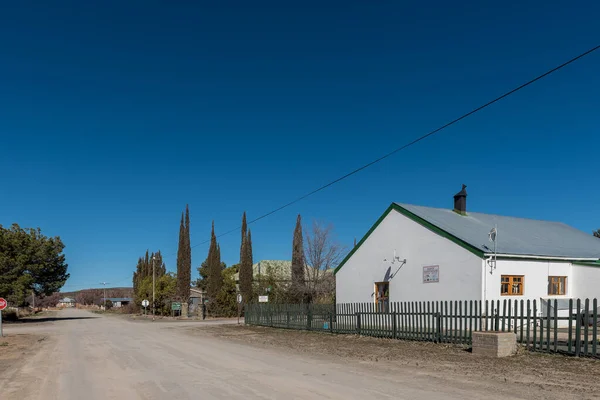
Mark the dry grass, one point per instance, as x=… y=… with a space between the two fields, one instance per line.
x=574 y=377
x=15 y=347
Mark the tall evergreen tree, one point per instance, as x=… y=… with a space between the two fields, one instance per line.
x=249 y=263
x=245 y=273
x=244 y=232
x=180 y=245
x=184 y=257
x=298 y=261
x=187 y=258
x=215 y=279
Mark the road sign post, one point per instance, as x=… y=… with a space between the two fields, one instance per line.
x=176 y=306
x=145 y=305
x=3 y=305
x=239 y=301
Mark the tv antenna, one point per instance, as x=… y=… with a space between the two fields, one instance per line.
x=493 y=237
x=395 y=260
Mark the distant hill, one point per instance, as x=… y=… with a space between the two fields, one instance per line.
x=94 y=296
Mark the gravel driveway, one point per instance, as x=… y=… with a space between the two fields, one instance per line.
x=92 y=357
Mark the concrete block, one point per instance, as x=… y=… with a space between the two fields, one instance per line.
x=494 y=344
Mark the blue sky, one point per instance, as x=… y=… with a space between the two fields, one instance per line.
x=114 y=116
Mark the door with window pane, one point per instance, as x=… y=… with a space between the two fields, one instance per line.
x=382 y=296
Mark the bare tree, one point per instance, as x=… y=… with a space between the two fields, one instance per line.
x=322 y=254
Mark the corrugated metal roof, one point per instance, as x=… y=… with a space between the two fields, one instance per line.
x=66 y=300
x=518 y=236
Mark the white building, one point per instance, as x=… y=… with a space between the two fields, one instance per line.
x=66 y=302
x=415 y=253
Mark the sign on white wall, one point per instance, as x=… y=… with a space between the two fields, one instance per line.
x=431 y=274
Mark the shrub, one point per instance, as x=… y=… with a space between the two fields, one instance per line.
x=9 y=315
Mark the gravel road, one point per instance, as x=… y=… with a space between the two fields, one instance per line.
x=88 y=356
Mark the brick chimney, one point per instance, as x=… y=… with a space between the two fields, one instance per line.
x=460 y=201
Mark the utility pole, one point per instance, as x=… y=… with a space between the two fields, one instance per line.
x=33 y=299
x=153 y=262
x=104 y=283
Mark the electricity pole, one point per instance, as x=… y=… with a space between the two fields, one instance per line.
x=153 y=259
x=104 y=283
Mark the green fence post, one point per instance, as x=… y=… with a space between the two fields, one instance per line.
x=515 y=318
x=497 y=318
x=555 y=325
x=548 y=326
x=595 y=328
x=570 y=344
x=586 y=325
x=521 y=317
x=394 y=326
x=504 y=316
x=578 y=329
x=534 y=324
x=439 y=326
x=528 y=322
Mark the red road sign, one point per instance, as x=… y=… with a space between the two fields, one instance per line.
x=3 y=304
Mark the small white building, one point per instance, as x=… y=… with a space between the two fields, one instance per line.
x=415 y=253
x=66 y=302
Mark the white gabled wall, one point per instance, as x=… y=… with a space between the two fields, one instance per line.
x=459 y=270
x=586 y=282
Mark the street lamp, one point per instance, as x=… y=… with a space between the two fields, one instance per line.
x=153 y=305
x=104 y=283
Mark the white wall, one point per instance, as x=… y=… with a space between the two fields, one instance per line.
x=586 y=282
x=536 y=278
x=459 y=270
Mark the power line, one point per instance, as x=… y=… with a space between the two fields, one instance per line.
x=415 y=141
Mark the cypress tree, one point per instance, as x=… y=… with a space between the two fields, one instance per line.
x=244 y=232
x=249 y=263
x=187 y=258
x=245 y=271
x=180 y=260
x=215 y=279
x=249 y=250
x=298 y=262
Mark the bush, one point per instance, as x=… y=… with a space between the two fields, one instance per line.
x=130 y=308
x=9 y=315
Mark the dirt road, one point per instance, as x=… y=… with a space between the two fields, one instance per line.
x=87 y=356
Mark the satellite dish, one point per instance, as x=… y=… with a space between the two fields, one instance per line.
x=492 y=235
x=387 y=274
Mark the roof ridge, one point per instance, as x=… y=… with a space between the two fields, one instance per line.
x=487 y=214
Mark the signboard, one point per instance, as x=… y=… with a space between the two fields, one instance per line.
x=263 y=299
x=3 y=305
x=431 y=274
x=145 y=303
x=239 y=298
x=175 y=306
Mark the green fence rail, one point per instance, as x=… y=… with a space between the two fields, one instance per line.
x=566 y=326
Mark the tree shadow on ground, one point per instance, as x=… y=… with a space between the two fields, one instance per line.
x=45 y=319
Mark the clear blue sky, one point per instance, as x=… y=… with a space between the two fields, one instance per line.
x=114 y=115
